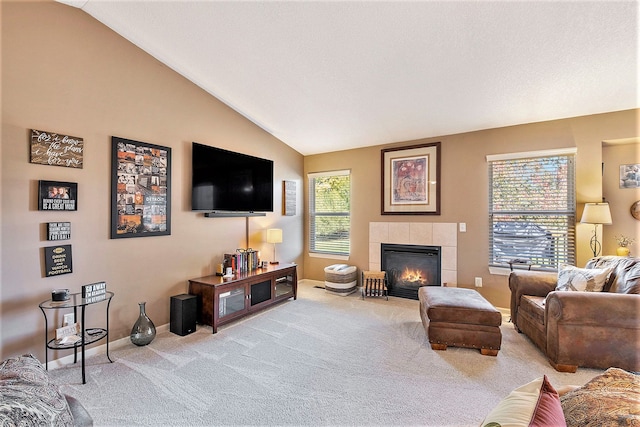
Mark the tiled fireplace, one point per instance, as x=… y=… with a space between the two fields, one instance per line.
x=435 y=234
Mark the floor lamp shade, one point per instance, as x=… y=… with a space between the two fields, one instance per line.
x=596 y=213
x=274 y=235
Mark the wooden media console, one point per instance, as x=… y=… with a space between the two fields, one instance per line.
x=223 y=300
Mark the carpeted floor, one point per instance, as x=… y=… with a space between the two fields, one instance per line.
x=320 y=360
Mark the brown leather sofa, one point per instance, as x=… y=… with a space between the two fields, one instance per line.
x=589 y=329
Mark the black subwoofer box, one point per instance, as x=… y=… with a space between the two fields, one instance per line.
x=183 y=314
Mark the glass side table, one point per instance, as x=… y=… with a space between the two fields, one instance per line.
x=88 y=335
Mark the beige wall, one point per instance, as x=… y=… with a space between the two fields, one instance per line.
x=64 y=72
x=614 y=154
x=464 y=196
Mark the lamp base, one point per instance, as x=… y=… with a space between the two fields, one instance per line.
x=596 y=246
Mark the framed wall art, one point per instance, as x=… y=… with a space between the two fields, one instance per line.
x=57 y=196
x=630 y=176
x=411 y=180
x=140 y=189
x=289 y=199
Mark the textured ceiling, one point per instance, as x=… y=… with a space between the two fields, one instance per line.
x=331 y=75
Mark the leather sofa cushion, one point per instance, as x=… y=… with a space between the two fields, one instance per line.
x=458 y=305
x=534 y=307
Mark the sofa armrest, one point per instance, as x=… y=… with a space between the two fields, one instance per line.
x=524 y=282
x=594 y=329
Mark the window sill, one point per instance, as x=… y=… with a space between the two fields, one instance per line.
x=499 y=271
x=329 y=256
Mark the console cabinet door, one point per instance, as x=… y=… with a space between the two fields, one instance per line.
x=283 y=286
x=231 y=301
x=260 y=293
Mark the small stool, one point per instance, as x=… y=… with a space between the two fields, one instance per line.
x=374 y=284
x=460 y=317
x=341 y=279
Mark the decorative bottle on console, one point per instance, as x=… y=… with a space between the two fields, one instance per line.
x=143 y=331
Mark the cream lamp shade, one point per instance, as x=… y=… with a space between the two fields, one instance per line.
x=596 y=213
x=274 y=235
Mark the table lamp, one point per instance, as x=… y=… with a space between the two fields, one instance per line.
x=274 y=235
x=596 y=213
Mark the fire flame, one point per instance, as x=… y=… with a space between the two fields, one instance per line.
x=413 y=276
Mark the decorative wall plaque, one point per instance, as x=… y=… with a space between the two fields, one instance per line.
x=57 y=260
x=289 y=201
x=94 y=289
x=58 y=230
x=48 y=148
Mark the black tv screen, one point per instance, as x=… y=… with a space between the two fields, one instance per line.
x=223 y=180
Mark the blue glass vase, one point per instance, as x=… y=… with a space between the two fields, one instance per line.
x=143 y=331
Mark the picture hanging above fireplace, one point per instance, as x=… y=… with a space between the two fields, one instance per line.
x=411 y=180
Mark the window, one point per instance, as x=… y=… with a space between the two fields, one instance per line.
x=330 y=212
x=532 y=209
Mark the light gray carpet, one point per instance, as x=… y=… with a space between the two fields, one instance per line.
x=320 y=360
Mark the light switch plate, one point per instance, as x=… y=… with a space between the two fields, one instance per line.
x=463 y=227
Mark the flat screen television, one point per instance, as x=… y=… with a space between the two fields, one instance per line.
x=226 y=181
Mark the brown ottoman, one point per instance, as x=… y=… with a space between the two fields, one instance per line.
x=460 y=317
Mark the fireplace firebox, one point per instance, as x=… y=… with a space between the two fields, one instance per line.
x=410 y=267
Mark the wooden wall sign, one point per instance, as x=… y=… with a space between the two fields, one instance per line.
x=48 y=148
x=58 y=230
x=57 y=260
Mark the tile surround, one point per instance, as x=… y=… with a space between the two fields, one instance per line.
x=440 y=234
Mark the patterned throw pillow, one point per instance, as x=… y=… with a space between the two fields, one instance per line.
x=609 y=399
x=535 y=404
x=582 y=279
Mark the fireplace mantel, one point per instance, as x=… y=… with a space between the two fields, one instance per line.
x=440 y=234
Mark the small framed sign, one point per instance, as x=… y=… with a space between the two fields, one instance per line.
x=57 y=260
x=58 y=230
x=57 y=196
x=94 y=289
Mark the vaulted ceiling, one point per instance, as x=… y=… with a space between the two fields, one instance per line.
x=331 y=75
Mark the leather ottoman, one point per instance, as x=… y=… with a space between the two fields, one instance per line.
x=460 y=317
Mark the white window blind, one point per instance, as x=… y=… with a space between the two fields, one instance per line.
x=330 y=212
x=532 y=210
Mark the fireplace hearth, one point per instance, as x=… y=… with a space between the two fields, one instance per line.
x=410 y=267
